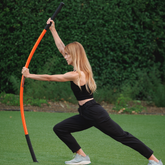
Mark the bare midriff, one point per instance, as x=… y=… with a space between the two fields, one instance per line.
x=84 y=101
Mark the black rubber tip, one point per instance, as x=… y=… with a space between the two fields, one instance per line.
x=31 y=148
x=55 y=14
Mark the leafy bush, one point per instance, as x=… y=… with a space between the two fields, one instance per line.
x=126 y=104
x=146 y=87
x=11 y=99
x=106 y=94
x=121 y=39
x=158 y=95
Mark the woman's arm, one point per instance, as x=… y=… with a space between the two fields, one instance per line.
x=69 y=76
x=60 y=45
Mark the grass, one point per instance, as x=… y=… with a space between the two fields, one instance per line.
x=50 y=150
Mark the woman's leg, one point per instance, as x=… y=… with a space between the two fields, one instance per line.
x=73 y=124
x=115 y=131
x=112 y=129
x=152 y=157
x=81 y=152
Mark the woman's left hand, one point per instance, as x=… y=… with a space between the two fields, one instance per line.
x=25 y=72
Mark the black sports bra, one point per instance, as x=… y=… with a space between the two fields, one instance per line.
x=80 y=94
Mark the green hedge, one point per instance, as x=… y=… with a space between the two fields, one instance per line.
x=121 y=38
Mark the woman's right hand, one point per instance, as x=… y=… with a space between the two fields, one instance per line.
x=52 y=25
x=25 y=72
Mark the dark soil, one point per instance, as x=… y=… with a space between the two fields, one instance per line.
x=69 y=107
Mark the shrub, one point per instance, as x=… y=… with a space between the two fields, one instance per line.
x=126 y=104
x=158 y=95
x=13 y=100
x=120 y=37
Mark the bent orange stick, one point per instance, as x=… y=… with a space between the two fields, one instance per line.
x=23 y=80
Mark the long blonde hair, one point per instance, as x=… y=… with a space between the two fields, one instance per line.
x=81 y=63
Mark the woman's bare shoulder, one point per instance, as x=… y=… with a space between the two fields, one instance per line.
x=73 y=75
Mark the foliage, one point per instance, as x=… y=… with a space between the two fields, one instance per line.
x=106 y=94
x=120 y=37
x=54 y=91
x=14 y=83
x=11 y=99
x=146 y=87
x=126 y=104
x=35 y=102
x=50 y=90
x=158 y=95
x=124 y=41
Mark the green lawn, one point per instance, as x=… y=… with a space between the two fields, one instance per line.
x=102 y=149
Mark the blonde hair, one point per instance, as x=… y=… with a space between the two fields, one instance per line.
x=81 y=63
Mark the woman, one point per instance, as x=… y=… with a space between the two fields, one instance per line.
x=90 y=113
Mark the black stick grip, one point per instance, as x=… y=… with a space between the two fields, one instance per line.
x=31 y=148
x=55 y=14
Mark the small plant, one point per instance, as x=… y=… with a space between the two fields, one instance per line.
x=53 y=91
x=126 y=104
x=159 y=95
x=11 y=99
x=106 y=94
x=35 y=102
x=15 y=84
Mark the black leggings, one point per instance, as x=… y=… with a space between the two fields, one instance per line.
x=93 y=114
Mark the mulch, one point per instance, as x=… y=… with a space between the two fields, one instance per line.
x=66 y=107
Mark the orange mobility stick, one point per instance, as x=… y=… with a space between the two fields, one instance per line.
x=23 y=80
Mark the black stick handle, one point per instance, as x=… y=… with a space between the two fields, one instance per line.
x=55 y=14
x=31 y=148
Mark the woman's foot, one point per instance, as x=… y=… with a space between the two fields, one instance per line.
x=78 y=159
x=152 y=162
